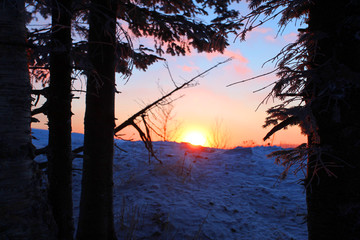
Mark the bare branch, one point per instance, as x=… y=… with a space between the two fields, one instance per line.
x=43 y=109
x=123 y=150
x=252 y=78
x=145 y=137
x=289 y=121
x=40 y=151
x=44 y=92
x=78 y=150
x=130 y=120
x=171 y=77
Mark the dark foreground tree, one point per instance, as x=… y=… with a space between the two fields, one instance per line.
x=332 y=94
x=96 y=206
x=322 y=70
x=59 y=115
x=22 y=209
x=175 y=30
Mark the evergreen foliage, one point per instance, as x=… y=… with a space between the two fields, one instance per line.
x=174 y=25
x=318 y=85
x=176 y=30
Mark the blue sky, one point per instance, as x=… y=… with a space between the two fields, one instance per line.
x=209 y=101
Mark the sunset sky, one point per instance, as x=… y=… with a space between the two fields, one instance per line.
x=210 y=101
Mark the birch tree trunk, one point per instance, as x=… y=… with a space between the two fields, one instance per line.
x=21 y=203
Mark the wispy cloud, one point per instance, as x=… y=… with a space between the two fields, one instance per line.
x=228 y=53
x=262 y=30
x=271 y=38
x=239 y=63
x=270 y=35
x=291 y=37
x=259 y=31
x=187 y=68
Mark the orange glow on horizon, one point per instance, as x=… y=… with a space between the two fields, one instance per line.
x=195 y=138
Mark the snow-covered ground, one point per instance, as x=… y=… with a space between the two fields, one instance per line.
x=199 y=193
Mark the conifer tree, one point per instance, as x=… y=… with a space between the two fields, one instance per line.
x=59 y=115
x=175 y=30
x=23 y=210
x=96 y=204
x=320 y=71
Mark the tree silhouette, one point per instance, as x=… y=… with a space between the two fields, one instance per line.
x=162 y=21
x=59 y=115
x=320 y=72
x=23 y=210
x=96 y=203
x=219 y=136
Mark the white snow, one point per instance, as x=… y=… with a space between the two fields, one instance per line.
x=198 y=193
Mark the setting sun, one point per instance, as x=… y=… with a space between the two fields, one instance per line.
x=195 y=138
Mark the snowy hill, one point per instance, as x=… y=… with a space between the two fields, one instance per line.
x=199 y=193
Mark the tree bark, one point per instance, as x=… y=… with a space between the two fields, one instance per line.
x=96 y=206
x=333 y=193
x=59 y=115
x=22 y=209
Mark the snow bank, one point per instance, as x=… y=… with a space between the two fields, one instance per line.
x=199 y=193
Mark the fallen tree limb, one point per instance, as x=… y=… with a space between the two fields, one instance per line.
x=130 y=120
x=145 y=136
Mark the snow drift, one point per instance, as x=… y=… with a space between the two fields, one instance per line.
x=198 y=193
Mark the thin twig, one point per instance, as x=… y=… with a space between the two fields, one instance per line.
x=252 y=78
x=171 y=77
x=129 y=121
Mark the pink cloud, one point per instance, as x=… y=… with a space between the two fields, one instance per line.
x=236 y=55
x=291 y=37
x=188 y=68
x=262 y=30
x=239 y=63
x=238 y=68
x=256 y=32
x=242 y=69
x=270 y=38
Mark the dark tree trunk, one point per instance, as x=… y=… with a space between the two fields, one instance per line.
x=333 y=198
x=23 y=210
x=96 y=206
x=59 y=114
